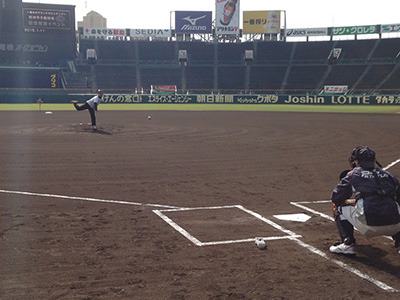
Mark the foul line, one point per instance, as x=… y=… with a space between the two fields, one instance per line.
x=85 y=199
x=378 y=283
x=391 y=164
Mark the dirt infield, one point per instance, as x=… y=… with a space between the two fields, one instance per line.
x=168 y=208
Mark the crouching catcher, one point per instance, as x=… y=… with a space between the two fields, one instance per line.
x=375 y=211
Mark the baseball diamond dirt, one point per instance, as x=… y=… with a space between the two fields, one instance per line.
x=169 y=207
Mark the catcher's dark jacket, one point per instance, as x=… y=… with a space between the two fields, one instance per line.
x=379 y=193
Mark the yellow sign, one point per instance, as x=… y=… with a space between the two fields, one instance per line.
x=262 y=21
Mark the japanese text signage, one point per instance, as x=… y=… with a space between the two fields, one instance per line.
x=37 y=20
x=103 y=32
x=267 y=99
x=193 y=22
x=28 y=48
x=336 y=89
x=227 y=17
x=262 y=22
x=354 y=30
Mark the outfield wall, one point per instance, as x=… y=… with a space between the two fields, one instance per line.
x=64 y=96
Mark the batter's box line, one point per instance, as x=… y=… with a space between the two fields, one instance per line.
x=290 y=235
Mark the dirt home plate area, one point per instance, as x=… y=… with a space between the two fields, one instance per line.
x=169 y=207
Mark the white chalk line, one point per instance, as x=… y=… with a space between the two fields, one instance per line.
x=345 y=266
x=85 y=199
x=315 y=212
x=199 y=243
x=391 y=164
x=178 y=228
x=290 y=235
x=339 y=263
x=300 y=203
x=378 y=283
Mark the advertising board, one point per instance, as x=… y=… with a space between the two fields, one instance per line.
x=227 y=17
x=187 y=22
x=262 y=22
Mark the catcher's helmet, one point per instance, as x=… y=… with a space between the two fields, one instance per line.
x=364 y=155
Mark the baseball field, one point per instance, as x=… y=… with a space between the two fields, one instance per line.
x=168 y=207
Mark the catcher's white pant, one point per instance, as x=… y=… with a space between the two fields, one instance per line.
x=352 y=214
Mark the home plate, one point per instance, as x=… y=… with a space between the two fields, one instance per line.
x=294 y=217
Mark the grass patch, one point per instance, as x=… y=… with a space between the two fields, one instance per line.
x=374 y=109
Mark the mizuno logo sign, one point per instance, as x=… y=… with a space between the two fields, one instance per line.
x=193 y=21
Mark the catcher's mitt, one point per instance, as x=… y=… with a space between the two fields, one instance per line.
x=343 y=174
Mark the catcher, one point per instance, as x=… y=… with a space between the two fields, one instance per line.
x=375 y=210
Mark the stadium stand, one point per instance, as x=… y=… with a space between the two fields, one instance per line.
x=110 y=77
x=231 y=78
x=387 y=49
x=233 y=53
x=391 y=82
x=32 y=60
x=375 y=75
x=107 y=50
x=200 y=76
x=267 y=78
x=278 y=67
x=313 y=51
x=357 y=50
x=305 y=78
x=273 y=52
x=157 y=51
x=199 y=52
x=160 y=76
x=344 y=74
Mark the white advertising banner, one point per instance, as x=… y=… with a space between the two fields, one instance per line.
x=103 y=32
x=227 y=17
x=306 y=32
x=146 y=33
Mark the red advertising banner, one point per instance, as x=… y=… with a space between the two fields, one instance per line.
x=163 y=89
x=336 y=89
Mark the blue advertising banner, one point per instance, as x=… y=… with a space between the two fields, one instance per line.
x=193 y=22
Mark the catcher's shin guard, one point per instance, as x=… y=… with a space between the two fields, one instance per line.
x=345 y=228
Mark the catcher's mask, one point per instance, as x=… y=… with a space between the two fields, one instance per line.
x=365 y=157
